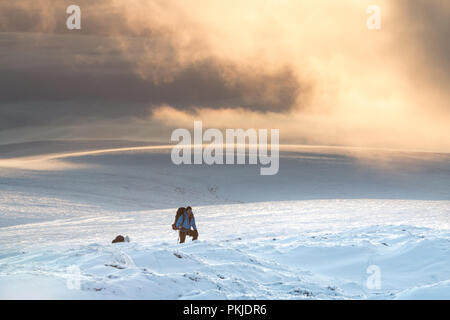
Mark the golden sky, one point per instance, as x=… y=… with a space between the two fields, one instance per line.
x=313 y=69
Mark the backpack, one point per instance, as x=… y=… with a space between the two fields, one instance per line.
x=119 y=238
x=180 y=212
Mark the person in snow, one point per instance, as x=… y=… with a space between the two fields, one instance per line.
x=186 y=225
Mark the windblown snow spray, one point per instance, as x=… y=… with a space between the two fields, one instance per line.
x=235 y=140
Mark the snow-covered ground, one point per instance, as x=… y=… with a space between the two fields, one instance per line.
x=317 y=230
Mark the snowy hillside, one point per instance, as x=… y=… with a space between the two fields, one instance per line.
x=309 y=232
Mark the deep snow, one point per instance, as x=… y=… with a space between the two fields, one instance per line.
x=309 y=232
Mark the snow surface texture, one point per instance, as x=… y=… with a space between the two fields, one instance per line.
x=314 y=231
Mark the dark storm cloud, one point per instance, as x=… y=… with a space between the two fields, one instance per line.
x=31 y=98
x=198 y=85
x=64 y=89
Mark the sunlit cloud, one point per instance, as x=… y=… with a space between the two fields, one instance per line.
x=310 y=68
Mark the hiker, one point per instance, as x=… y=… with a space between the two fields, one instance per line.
x=184 y=222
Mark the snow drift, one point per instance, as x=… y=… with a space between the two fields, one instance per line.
x=310 y=232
